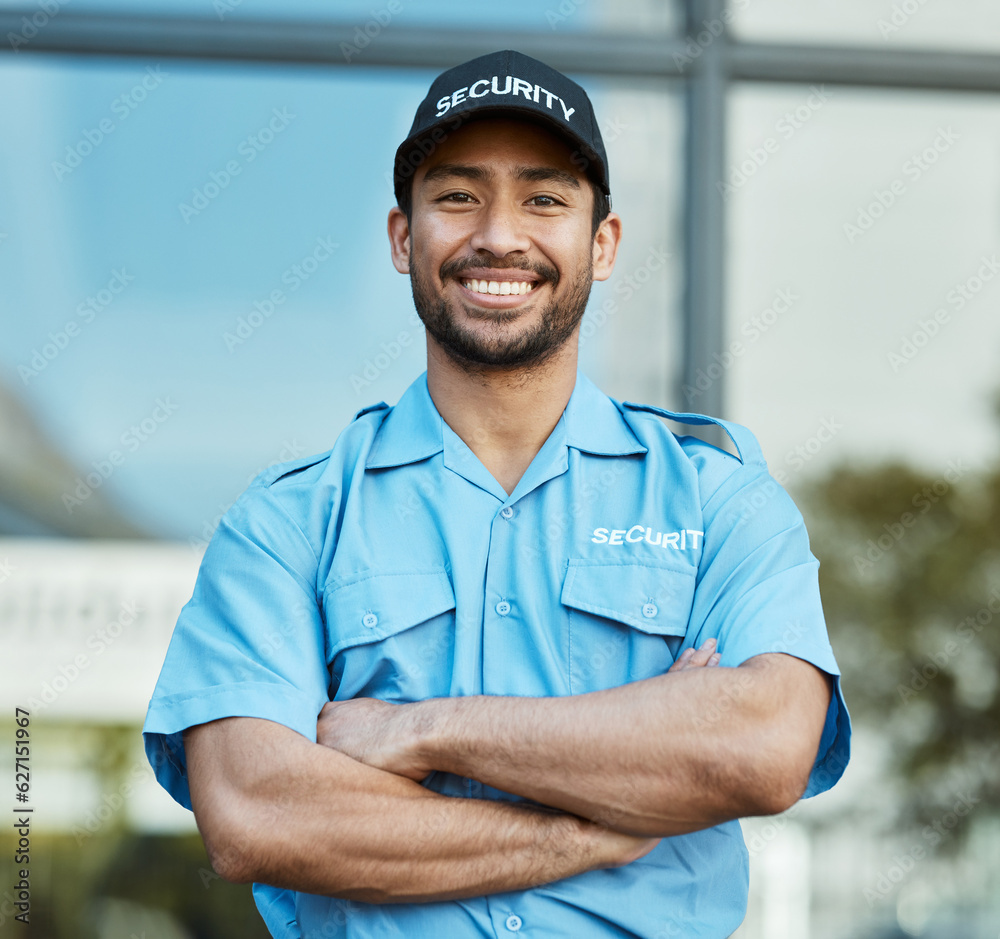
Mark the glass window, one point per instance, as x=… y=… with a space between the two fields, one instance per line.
x=631 y=339
x=970 y=25
x=864 y=274
x=198 y=274
x=374 y=16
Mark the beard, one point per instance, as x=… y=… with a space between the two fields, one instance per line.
x=498 y=348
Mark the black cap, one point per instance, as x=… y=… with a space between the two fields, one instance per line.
x=504 y=84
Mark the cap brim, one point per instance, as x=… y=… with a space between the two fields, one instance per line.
x=416 y=149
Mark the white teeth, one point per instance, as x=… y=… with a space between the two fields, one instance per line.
x=500 y=287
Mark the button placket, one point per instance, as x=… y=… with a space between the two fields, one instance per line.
x=500 y=603
x=502 y=607
x=513 y=922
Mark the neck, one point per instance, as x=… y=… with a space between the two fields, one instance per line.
x=503 y=415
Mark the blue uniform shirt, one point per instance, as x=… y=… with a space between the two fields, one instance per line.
x=396 y=567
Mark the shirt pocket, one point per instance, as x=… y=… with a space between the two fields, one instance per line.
x=627 y=621
x=389 y=635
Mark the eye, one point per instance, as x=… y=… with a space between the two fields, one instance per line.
x=545 y=202
x=460 y=198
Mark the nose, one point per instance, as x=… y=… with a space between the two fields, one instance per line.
x=499 y=230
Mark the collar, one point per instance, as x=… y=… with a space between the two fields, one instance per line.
x=594 y=422
x=414 y=430
x=410 y=432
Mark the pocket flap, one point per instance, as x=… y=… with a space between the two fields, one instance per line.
x=654 y=598
x=373 y=606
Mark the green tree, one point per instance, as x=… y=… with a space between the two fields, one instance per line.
x=910 y=574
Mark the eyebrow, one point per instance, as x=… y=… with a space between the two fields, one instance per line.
x=543 y=174
x=531 y=174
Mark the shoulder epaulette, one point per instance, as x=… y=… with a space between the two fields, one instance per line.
x=381 y=406
x=743 y=440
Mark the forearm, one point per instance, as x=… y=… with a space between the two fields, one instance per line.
x=664 y=756
x=323 y=823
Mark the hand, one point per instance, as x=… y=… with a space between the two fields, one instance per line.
x=705 y=657
x=632 y=847
x=374 y=732
x=616 y=848
x=622 y=848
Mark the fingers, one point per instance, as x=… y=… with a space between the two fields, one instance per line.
x=705 y=656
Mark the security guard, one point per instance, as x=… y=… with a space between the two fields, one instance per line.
x=512 y=656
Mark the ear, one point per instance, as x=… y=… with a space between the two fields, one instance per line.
x=606 y=241
x=399 y=240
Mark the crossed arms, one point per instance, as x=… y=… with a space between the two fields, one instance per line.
x=615 y=771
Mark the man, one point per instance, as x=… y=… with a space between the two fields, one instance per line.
x=512 y=657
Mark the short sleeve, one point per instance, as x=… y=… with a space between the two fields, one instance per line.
x=277 y=909
x=250 y=643
x=758 y=592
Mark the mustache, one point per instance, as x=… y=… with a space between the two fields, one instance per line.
x=456 y=267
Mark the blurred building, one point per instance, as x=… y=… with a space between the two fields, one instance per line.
x=805 y=187
x=41 y=493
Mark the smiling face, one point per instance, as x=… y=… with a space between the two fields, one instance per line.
x=500 y=247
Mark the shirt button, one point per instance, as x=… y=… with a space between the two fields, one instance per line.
x=503 y=608
x=649 y=610
x=513 y=922
x=507 y=511
x=369 y=620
